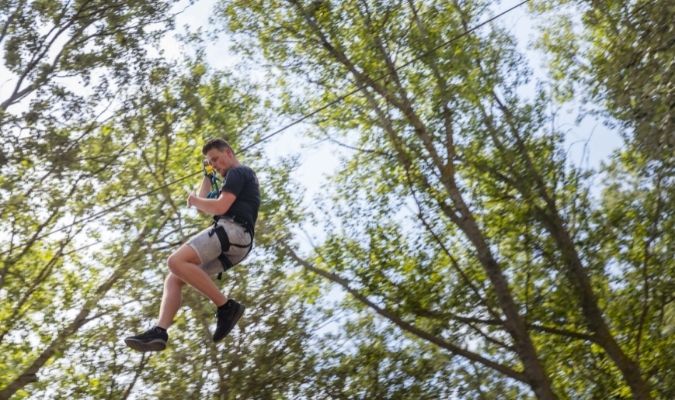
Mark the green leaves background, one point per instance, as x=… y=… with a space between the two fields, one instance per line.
x=461 y=253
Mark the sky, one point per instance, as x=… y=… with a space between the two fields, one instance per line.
x=321 y=159
x=318 y=160
x=589 y=141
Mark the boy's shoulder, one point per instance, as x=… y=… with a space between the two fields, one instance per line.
x=243 y=168
x=243 y=171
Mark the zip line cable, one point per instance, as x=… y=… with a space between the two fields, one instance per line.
x=106 y=210
x=285 y=127
x=363 y=86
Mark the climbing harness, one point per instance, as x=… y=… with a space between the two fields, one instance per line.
x=225 y=243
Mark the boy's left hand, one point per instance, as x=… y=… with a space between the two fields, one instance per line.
x=190 y=198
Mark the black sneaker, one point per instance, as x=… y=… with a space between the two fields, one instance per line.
x=151 y=340
x=227 y=315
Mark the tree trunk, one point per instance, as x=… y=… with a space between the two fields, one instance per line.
x=595 y=320
x=519 y=376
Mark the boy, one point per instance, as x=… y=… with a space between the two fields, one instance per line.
x=213 y=250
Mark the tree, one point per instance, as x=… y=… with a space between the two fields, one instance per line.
x=98 y=46
x=76 y=302
x=618 y=55
x=501 y=214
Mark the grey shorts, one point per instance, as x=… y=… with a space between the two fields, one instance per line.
x=207 y=245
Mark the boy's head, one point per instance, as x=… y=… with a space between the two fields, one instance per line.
x=219 y=154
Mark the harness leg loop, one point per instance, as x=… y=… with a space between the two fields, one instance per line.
x=224 y=247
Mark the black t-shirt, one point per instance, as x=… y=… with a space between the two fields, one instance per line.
x=242 y=182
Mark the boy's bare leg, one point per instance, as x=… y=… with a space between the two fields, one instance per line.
x=184 y=263
x=171 y=300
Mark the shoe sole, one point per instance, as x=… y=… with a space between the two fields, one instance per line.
x=235 y=318
x=153 y=345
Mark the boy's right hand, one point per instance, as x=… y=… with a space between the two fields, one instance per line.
x=208 y=169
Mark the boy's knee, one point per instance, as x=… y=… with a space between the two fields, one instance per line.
x=180 y=257
x=173 y=262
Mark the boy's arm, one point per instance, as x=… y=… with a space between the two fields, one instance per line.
x=217 y=206
x=228 y=194
x=205 y=187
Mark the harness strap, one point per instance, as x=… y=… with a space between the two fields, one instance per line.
x=238 y=220
x=227 y=264
x=224 y=246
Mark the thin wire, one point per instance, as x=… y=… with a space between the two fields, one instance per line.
x=331 y=320
x=363 y=86
x=106 y=210
x=285 y=127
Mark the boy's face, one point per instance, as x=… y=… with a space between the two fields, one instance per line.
x=220 y=160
